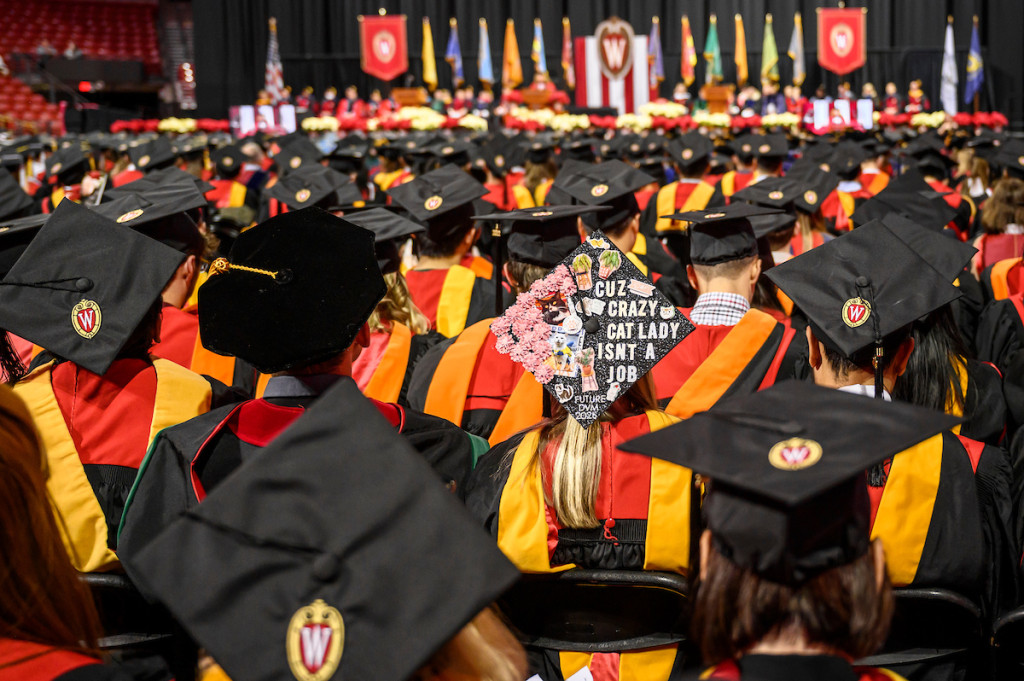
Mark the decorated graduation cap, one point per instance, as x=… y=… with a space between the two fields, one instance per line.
x=943 y=251
x=441 y=199
x=13 y=199
x=388 y=228
x=357 y=562
x=166 y=222
x=720 y=235
x=859 y=288
x=295 y=290
x=610 y=184
x=152 y=155
x=788 y=496
x=314 y=185
x=300 y=152
x=590 y=329
x=83 y=285
x=690 y=149
x=542 y=236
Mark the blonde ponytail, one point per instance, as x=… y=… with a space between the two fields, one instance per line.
x=397 y=307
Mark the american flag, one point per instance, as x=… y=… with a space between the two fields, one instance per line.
x=274 y=76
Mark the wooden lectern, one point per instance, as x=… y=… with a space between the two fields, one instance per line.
x=717 y=97
x=536 y=98
x=409 y=96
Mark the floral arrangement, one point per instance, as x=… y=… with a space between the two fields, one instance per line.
x=634 y=122
x=712 y=120
x=928 y=120
x=320 y=124
x=780 y=120
x=522 y=333
x=663 y=110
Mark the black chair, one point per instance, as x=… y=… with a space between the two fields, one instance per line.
x=1008 y=645
x=935 y=634
x=599 y=611
x=135 y=628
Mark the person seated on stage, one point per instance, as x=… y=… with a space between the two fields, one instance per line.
x=793 y=582
x=562 y=494
x=690 y=155
x=681 y=94
x=451 y=295
x=315 y=282
x=375 y=548
x=49 y=622
x=772 y=100
x=953 y=526
x=98 y=405
x=65 y=170
x=735 y=349
x=399 y=333
x=841 y=203
x=917 y=102
x=465 y=379
x=892 y=104
x=868 y=91
x=329 y=102
x=306 y=102
x=394 y=167
x=351 y=105
x=540 y=174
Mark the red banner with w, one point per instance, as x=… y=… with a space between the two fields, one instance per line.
x=383 y=45
x=842 y=44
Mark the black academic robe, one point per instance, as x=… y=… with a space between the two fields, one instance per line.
x=792 y=668
x=187 y=461
x=1000 y=334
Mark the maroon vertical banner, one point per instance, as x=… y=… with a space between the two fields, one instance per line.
x=842 y=41
x=384 y=46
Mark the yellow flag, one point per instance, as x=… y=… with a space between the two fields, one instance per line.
x=741 y=52
x=511 y=64
x=429 y=63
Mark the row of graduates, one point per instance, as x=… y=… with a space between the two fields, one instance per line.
x=443 y=201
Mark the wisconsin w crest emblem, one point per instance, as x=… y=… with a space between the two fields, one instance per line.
x=86 y=318
x=316 y=639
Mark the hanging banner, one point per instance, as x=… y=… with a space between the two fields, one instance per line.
x=842 y=42
x=383 y=45
x=615 y=47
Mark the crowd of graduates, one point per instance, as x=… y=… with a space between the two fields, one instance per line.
x=319 y=412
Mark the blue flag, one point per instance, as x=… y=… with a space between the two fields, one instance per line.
x=975 y=67
x=453 y=54
x=540 y=60
x=483 y=57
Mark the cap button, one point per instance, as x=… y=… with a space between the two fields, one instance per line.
x=83 y=284
x=325 y=567
x=862 y=281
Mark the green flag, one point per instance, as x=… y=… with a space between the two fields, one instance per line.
x=713 y=54
x=769 y=53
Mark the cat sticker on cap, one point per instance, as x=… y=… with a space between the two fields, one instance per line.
x=590 y=329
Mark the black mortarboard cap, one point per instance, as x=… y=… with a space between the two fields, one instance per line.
x=342 y=536
x=942 y=250
x=773 y=192
x=859 y=288
x=723 y=234
x=13 y=199
x=295 y=290
x=542 y=236
x=312 y=185
x=15 y=236
x=152 y=155
x=788 y=497
x=456 y=152
x=770 y=146
x=610 y=183
x=387 y=227
x=846 y=159
x=935 y=162
x=580 y=149
x=539 y=151
x=442 y=199
x=298 y=153
x=166 y=222
x=83 y=285
x=690 y=149
x=68 y=165
x=908 y=196
x=593 y=327
x=229 y=160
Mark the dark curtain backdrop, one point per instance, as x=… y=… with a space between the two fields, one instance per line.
x=319 y=40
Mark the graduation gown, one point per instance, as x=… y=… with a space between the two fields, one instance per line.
x=795 y=668
x=643 y=505
x=384 y=369
x=946 y=518
x=730 y=183
x=452 y=298
x=1002 y=279
x=187 y=461
x=964 y=207
x=466 y=381
x=839 y=206
x=228 y=194
x=95 y=431
x=675 y=197
x=40 y=662
x=719 y=361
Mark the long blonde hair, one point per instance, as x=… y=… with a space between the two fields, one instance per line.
x=397 y=307
x=576 y=473
x=483 y=650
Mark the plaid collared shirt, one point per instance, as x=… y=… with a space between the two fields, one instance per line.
x=719 y=309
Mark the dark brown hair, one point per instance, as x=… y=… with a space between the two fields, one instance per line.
x=1005 y=207
x=841 y=609
x=41 y=597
